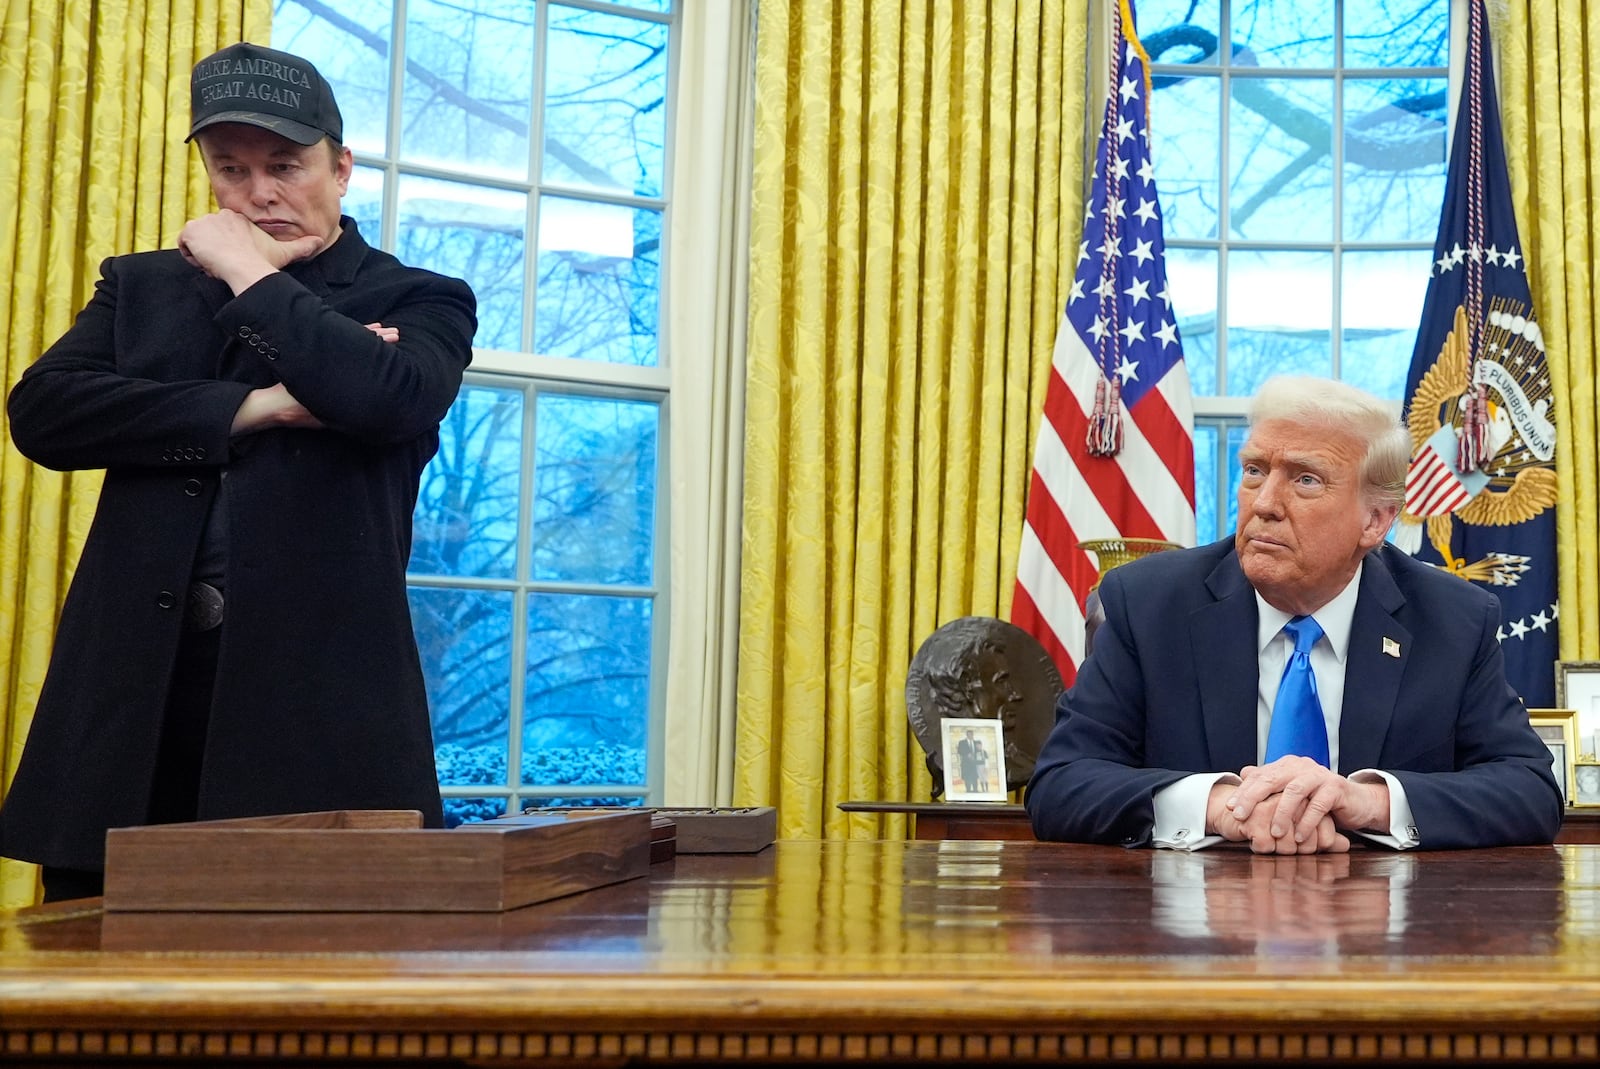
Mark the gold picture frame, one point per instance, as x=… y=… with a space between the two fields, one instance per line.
x=1558 y=730
x=1586 y=785
x=1578 y=688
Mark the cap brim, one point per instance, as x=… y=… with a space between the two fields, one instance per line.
x=298 y=132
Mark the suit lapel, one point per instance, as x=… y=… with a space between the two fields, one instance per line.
x=1227 y=699
x=1379 y=649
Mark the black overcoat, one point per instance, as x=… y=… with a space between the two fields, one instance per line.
x=319 y=701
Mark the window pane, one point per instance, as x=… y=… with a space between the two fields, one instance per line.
x=363 y=202
x=599 y=281
x=350 y=50
x=458 y=811
x=1394 y=158
x=473 y=233
x=1280 y=159
x=566 y=801
x=1192 y=283
x=1205 y=483
x=605 y=102
x=1180 y=31
x=586 y=718
x=1282 y=33
x=1380 y=308
x=466 y=515
x=595 y=489
x=1237 y=433
x=469 y=85
x=1187 y=159
x=1280 y=317
x=1396 y=33
x=464 y=637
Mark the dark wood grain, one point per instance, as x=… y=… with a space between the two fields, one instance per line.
x=955 y=952
x=368 y=861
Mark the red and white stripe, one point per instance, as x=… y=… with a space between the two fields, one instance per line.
x=1145 y=491
x=1432 y=487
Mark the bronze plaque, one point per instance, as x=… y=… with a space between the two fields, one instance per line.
x=980 y=666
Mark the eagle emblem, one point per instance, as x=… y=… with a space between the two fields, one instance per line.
x=1519 y=480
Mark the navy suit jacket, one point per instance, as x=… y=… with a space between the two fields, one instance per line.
x=1171 y=689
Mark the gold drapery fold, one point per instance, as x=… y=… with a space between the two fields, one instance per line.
x=917 y=179
x=1550 y=93
x=94 y=106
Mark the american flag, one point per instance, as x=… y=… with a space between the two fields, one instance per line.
x=1481 y=491
x=1115 y=454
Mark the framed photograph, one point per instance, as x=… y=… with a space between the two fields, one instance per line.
x=1578 y=689
x=1559 y=730
x=974 y=760
x=1586 y=784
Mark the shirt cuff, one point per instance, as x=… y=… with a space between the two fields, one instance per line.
x=1180 y=811
x=1402 y=833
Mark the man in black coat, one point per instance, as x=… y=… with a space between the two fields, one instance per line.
x=263 y=399
x=1167 y=737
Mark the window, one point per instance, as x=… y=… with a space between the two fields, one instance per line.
x=1301 y=171
x=537 y=571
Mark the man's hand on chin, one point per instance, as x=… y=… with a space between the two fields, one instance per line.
x=227 y=246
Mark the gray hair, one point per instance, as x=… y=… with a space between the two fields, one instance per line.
x=1341 y=406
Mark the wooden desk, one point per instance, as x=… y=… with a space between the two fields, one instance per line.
x=934 y=952
x=1002 y=820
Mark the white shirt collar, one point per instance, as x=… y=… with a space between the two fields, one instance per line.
x=1334 y=618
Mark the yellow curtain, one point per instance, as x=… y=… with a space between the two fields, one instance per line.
x=916 y=195
x=94 y=106
x=1550 y=93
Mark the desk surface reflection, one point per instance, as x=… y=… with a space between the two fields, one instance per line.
x=955 y=951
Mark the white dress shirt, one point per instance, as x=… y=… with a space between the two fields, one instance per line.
x=1180 y=808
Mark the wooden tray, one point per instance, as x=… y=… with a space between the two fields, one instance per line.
x=370 y=860
x=663 y=832
x=711 y=830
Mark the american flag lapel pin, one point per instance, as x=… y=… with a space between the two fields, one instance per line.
x=1391 y=648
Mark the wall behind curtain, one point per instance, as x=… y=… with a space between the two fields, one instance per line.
x=917 y=182
x=1550 y=89
x=94 y=107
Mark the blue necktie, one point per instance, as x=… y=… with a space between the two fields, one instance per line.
x=1297 y=726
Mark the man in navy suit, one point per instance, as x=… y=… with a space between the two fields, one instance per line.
x=1164 y=738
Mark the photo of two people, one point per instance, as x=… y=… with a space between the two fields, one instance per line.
x=974 y=760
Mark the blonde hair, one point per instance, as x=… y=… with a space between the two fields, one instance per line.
x=1341 y=406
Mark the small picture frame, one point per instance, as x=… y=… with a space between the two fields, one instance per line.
x=1578 y=689
x=974 y=759
x=1586 y=784
x=1558 y=729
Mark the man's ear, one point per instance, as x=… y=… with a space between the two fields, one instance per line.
x=1379 y=519
x=344 y=167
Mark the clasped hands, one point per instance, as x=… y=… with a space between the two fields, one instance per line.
x=1296 y=806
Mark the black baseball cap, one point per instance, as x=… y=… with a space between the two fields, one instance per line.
x=267 y=88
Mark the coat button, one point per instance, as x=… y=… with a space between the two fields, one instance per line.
x=244 y=332
x=255 y=339
x=269 y=353
x=192 y=487
x=199 y=452
x=166 y=599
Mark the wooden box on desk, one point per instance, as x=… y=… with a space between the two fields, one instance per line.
x=705 y=830
x=369 y=860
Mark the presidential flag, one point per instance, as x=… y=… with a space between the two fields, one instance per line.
x=1481 y=489
x=1115 y=453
